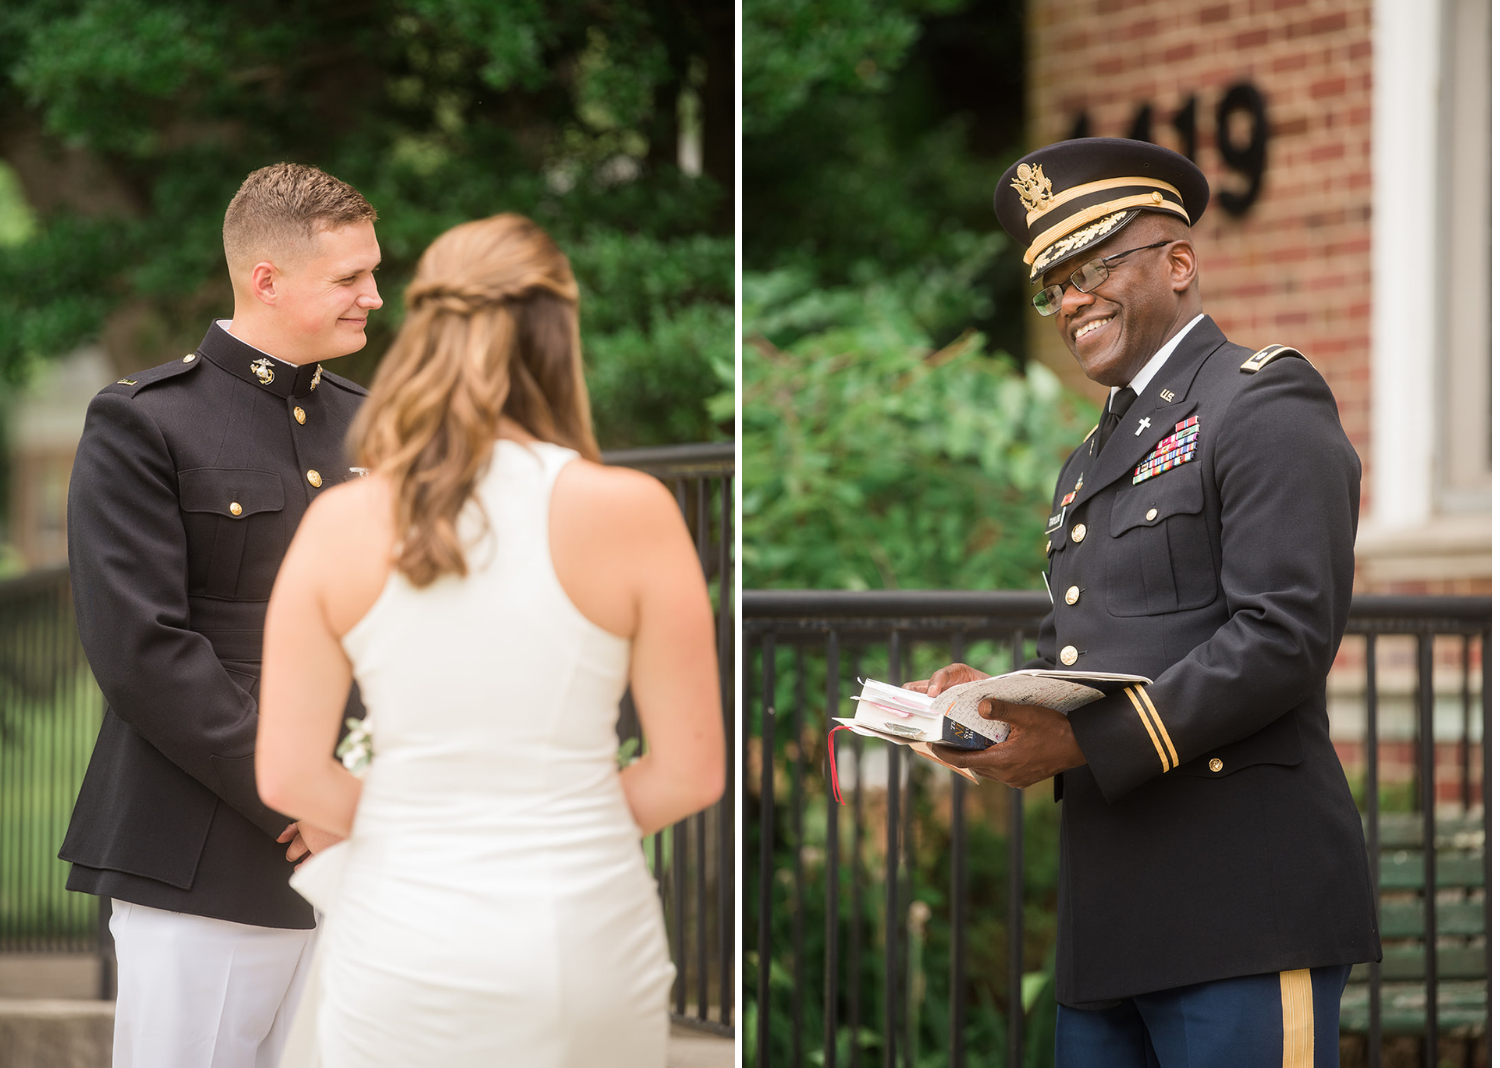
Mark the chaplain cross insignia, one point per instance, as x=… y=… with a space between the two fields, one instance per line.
x=262 y=369
x=1144 y=424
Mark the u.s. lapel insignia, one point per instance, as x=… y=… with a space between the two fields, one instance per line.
x=1175 y=449
x=317 y=377
x=1167 y=395
x=262 y=370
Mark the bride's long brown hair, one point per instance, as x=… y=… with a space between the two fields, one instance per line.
x=491 y=329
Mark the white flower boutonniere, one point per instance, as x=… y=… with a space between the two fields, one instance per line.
x=357 y=747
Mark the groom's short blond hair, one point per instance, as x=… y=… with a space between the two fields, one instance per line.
x=280 y=208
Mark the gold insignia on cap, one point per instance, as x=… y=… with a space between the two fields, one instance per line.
x=1034 y=186
x=1076 y=240
x=262 y=370
x=317 y=377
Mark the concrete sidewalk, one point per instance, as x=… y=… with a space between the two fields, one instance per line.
x=50 y=1017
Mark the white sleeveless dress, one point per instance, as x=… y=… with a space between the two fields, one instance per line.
x=494 y=906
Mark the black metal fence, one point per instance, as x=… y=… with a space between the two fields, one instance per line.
x=50 y=710
x=863 y=935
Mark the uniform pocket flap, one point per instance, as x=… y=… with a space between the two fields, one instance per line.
x=1178 y=492
x=1277 y=743
x=232 y=492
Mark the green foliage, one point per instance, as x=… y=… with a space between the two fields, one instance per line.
x=891 y=437
x=141 y=118
x=873 y=461
x=792 y=47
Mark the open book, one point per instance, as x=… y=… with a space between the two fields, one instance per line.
x=952 y=718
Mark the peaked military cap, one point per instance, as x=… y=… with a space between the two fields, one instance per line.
x=1069 y=196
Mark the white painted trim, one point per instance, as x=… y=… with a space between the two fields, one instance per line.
x=1404 y=315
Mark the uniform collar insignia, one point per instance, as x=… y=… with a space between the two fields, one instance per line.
x=260 y=369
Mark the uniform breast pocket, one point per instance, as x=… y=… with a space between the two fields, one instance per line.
x=1160 y=556
x=235 y=531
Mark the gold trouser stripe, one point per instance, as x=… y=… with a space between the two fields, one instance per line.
x=1165 y=767
x=1165 y=737
x=1098 y=187
x=1296 y=1019
x=1089 y=214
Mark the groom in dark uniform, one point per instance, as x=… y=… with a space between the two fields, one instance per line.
x=1213 y=888
x=189 y=482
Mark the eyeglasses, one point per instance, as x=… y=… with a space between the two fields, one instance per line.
x=1086 y=279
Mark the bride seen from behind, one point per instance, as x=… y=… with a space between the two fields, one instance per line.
x=492 y=588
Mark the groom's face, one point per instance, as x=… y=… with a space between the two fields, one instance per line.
x=328 y=291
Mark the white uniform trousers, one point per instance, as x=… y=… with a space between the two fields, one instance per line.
x=196 y=992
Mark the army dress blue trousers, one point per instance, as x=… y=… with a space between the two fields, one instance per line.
x=1280 y=1020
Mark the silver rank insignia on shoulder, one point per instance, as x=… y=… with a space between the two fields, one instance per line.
x=262 y=370
x=1266 y=355
x=317 y=377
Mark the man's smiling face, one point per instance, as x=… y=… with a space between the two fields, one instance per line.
x=1114 y=330
x=329 y=292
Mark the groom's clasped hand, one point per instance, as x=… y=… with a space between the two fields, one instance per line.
x=303 y=841
x=1040 y=743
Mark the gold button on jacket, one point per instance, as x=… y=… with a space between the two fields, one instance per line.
x=1151 y=515
x=315 y=478
x=234 y=508
x=1068 y=656
x=1215 y=764
x=1079 y=531
x=1072 y=595
x=300 y=415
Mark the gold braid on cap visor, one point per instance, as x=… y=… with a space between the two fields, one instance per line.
x=1098 y=212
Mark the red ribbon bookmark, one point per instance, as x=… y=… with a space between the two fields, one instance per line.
x=833 y=763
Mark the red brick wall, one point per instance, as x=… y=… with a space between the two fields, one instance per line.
x=1296 y=268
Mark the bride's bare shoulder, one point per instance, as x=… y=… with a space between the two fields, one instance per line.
x=622 y=501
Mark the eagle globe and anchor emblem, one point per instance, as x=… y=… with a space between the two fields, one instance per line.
x=262 y=371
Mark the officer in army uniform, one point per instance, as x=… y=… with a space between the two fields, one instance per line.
x=1213 y=885
x=189 y=482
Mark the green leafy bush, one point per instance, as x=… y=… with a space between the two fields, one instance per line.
x=874 y=459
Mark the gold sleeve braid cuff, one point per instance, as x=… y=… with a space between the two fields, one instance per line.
x=1142 y=702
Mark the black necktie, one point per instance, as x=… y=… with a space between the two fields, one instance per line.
x=1113 y=412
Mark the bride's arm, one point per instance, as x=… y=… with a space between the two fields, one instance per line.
x=674 y=675
x=332 y=573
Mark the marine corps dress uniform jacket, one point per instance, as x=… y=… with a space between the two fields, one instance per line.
x=189 y=482
x=1209 y=545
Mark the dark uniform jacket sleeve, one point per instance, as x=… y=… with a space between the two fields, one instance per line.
x=1287 y=484
x=127 y=555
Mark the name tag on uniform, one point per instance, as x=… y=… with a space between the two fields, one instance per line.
x=1175 y=449
x=1055 y=521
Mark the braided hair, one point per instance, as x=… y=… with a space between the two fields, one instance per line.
x=491 y=329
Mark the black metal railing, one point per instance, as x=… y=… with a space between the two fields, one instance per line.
x=828 y=895
x=694 y=861
x=50 y=710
